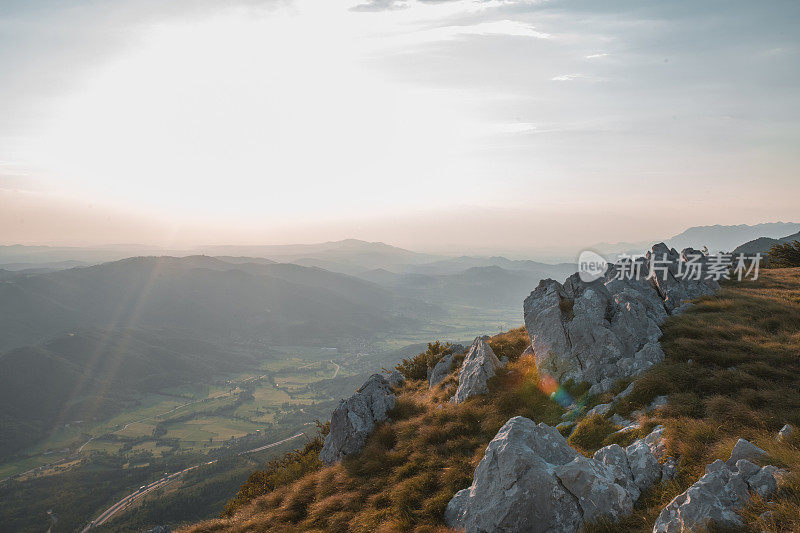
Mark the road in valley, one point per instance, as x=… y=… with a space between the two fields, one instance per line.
x=123 y=428
x=164 y=481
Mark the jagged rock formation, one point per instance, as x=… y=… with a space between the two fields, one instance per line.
x=479 y=365
x=440 y=371
x=356 y=417
x=786 y=433
x=530 y=479
x=744 y=450
x=607 y=329
x=725 y=488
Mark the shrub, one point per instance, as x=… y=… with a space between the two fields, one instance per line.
x=785 y=255
x=417 y=367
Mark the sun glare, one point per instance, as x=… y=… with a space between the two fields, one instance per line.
x=248 y=112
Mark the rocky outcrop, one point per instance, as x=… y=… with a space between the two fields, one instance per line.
x=608 y=329
x=356 y=417
x=440 y=371
x=479 y=365
x=745 y=450
x=395 y=378
x=723 y=490
x=786 y=433
x=530 y=479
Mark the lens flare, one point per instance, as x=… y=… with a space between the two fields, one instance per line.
x=558 y=393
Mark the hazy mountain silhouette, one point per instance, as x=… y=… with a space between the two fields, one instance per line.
x=726 y=238
x=202 y=295
x=763 y=244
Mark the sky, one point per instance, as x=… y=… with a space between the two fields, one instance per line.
x=436 y=125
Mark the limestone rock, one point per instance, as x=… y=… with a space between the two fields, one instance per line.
x=599 y=409
x=669 y=469
x=744 y=450
x=619 y=421
x=440 y=371
x=530 y=479
x=479 y=365
x=717 y=495
x=643 y=456
x=604 y=330
x=614 y=456
x=594 y=485
x=681 y=309
x=624 y=394
x=514 y=488
x=356 y=417
x=786 y=433
x=765 y=481
x=457 y=349
x=395 y=378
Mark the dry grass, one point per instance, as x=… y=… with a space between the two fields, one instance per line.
x=410 y=467
x=732 y=370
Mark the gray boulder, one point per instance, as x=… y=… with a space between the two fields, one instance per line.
x=440 y=371
x=717 y=496
x=514 y=488
x=599 y=409
x=607 y=329
x=669 y=469
x=457 y=348
x=355 y=419
x=614 y=456
x=595 y=486
x=786 y=433
x=530 y=479
x=479 y=365
x=643 y=458
x=395 y=378
x=745 y=450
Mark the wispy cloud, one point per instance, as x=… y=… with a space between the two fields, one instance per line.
x=596 y=56
x=574 y=77
x=381 y=5
x=500 y=27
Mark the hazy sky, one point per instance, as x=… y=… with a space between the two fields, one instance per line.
x=450 y=125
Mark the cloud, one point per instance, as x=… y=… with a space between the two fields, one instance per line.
x=574 y=77
x=381 y=5
x=499 y=27
x=597 y=56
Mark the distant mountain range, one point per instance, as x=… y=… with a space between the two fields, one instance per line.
x=454 y=281
x=727 y=238
x=763 y=244
x=717 y=238
x=204 y=296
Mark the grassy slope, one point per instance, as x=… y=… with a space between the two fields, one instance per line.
x=732 y=370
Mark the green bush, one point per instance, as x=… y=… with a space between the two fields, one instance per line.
x=417 y=367
x=785 y=255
